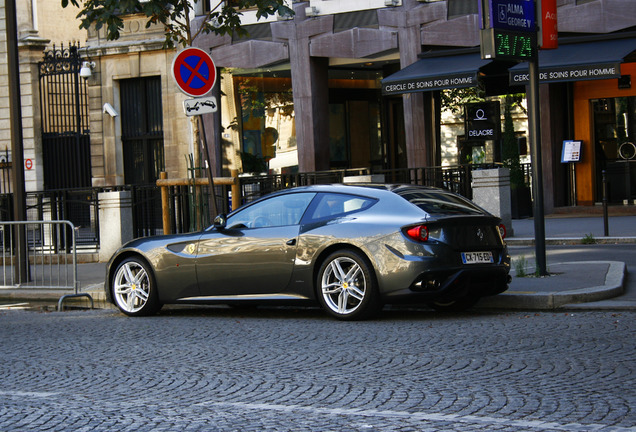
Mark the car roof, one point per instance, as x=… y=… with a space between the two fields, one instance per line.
x=371 y=189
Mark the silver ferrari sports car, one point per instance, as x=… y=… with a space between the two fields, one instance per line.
x=349 y=248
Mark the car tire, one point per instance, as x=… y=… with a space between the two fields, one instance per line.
x=134 y=289
x=457 y=305
x=347 y=288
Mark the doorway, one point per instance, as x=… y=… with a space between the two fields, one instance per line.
x=614 y=149
x=142 y=130
x=355 y=138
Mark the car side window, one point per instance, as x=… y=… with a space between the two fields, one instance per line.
x=332 y=205
x=277 y=211
x=439 y=202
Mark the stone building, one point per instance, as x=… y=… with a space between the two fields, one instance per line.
x=329 y=61
x=37 y=32
x=305 y=93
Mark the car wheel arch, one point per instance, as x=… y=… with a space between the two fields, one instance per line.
x=115 y=264
x=334 y=248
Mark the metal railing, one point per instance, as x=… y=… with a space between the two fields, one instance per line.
x=189 y=204
x=40 y=255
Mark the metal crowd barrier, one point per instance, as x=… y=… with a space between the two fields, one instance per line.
x=40 y=255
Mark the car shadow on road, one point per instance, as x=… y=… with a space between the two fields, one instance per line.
x=390 y=313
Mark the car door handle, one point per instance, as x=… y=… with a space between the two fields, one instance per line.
x=291 y=242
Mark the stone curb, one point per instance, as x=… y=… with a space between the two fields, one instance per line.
x=613 y=287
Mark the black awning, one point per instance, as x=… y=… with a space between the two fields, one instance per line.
x=435 y=73
x=578 y=62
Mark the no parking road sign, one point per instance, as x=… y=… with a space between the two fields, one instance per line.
x=194 y=72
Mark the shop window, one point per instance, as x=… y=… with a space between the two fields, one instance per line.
x=614 y=138
x=355 y=130
x=359 y=19
x=261 y=112
x=236 y=3
x=458 y=8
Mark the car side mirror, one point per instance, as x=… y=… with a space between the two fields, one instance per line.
x=220 y=221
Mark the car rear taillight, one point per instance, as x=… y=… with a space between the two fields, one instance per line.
x=502 y=231
x=418 y=233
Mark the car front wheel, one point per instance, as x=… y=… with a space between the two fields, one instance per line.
x=134 y=289
x=346 y=286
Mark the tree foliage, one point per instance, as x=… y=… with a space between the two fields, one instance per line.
x=455 y=99
x=173 y=15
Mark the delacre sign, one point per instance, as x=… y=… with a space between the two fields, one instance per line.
x=482 y=121
x=194 y=72
x=509 y=29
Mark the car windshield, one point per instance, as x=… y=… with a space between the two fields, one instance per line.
x=436 y=202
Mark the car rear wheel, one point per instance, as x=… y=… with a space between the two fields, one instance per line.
x=134 y=289
x=346 y=286
x=456 y=305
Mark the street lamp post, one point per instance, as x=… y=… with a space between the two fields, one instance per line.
x=15 y=113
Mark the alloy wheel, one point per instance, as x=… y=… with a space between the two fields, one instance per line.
x=132 y=287
x=343 y=285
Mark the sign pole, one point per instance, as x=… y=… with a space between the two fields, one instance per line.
x=206 y=155
x=195 y=74
x=534 y=120
x=17 y=146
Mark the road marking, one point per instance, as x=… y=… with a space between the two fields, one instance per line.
x=14 y=306
x=418 y=416
x=28 y=394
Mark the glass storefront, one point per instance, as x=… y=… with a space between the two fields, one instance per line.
x=258 y=119
x=614 y=138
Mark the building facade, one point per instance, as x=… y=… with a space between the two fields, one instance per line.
x=36 y=33
x=317 y=80
x=308 y=93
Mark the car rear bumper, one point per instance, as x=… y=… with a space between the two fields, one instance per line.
x=454 y=283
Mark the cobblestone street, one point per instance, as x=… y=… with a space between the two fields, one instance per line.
x=222 y=369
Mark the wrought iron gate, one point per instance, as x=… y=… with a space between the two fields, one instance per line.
x=64 y=109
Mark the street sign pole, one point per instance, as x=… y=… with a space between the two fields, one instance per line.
x=195 y=74
x=509 y=32
x=206 y=155
x=534 y=120
x=17 y=146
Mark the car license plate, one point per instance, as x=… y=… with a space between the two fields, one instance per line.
x=477 y=257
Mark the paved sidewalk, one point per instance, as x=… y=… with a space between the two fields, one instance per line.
x=572 y=285
x=576 y=230
x=569 y=285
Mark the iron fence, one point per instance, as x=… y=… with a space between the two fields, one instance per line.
x=5 y=172
x=79 y=206
x=255 y=186
x=189 y=205
x=453 y=178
